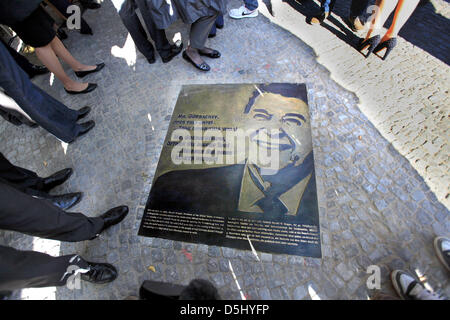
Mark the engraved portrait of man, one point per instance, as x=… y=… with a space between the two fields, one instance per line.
x=287 y=192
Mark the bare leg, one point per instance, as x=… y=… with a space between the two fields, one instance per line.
x=385 y=8
x=64 y=54
x=402 y=13
x=50 y=60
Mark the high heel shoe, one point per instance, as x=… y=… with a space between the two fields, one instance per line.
x=98 y=67
x=372 y=43
x=89 y=88
x=388 y=44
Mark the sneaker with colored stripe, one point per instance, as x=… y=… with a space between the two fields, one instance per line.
x=243 y=12
x=408 y=288
x=442 y=248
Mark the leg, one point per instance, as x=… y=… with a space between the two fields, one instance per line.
x=251 y=4
x=200 y=30
x=158 y=36
x=48 y=112
x=402 y=13
x=23 y=213
x=326 y=7
x=384 y=9
x=127 y=13
x=198 y=36
x=19 y=176
x=50 y=60
x=61 y=51
x=9 y=104
x=20 y=60
x=29 y=269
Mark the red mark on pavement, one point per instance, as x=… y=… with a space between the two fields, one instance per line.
x=187 y=254
x=267 y=66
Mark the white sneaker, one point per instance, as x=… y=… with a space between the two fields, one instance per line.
x=408 y=288
x=243 y=12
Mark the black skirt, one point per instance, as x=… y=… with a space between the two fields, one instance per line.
x=37 y=29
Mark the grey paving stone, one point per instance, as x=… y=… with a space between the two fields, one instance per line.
x=370 y=196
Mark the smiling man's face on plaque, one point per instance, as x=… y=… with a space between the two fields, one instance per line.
x=285 y=119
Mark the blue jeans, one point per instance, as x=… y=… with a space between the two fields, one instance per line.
x=219 y=23
x=251 y=4
x=327 y=5
x=46 y=111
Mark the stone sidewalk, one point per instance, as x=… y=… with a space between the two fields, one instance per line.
x=406 y=97
x=375 y=208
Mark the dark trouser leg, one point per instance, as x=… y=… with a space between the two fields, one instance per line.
x=46 y=111
x=20 y=60
x=24 y=213
x=358 y=8
x=200 y=30
x=158 y=36
x=219 y=23
x=127 y=13
x=30 y=269
x=20 y=177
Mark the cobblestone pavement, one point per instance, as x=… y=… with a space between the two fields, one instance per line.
x=407 y=96
x=374 y=206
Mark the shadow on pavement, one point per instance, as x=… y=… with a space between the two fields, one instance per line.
x=425 y=29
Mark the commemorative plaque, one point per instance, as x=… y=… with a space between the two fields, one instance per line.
x=237 y=170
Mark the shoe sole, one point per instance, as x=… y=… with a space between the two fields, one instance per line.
x=439 y=253
x=253 y=15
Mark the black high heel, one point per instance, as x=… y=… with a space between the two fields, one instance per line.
x=388 y=44
x=372 y=43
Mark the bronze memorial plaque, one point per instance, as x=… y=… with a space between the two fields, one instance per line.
x=237 y=170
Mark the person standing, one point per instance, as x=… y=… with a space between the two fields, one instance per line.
x=127 y=12
x=37 y=105
x=24 y=213
x=35 y=27
x=357 y=9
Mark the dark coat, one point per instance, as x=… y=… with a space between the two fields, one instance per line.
x=15 y=11
x=164 y=14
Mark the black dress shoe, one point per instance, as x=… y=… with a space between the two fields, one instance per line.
x=214 y=54
x=66 y=201
x=203 y=66
x=113 y=216
x=56 y=179
x=83 y=112
x=85 y=128
x=37 y=70
x=89 y=88
x=81 y=74
x=151 y=60
x=174 y=51
x=100 y=273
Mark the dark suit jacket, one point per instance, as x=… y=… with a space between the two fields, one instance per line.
x=15 y=11
x=213 y=191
